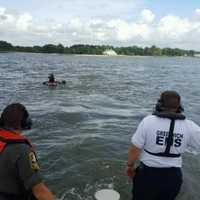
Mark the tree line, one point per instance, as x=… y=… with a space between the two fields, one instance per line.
x=97 y=50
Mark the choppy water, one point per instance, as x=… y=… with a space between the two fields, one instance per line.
x=82 y=130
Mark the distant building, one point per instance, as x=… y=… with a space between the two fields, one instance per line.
x=109 y=52
x=196 y=55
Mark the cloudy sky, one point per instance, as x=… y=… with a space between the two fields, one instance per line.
x=170 y=23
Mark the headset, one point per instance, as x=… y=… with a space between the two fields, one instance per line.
x=160 y=106
x=26 y=122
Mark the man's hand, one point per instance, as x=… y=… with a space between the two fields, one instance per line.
x=130 y=172
x=133 y=155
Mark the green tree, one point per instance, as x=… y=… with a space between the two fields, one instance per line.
x=60 y=48
x=49 y=48
x=5 y=46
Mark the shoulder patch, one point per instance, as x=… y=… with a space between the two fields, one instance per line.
x=33 y=161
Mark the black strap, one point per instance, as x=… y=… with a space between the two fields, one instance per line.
x=170 y=137
x=162 y=154
x=167 y=153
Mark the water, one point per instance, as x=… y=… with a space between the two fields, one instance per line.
x=82 y=130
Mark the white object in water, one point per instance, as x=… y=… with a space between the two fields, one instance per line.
x=107 y=194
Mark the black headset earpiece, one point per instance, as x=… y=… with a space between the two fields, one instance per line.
x=180 y=109
x=1 y=122
x=159 y=105
x=26 y=122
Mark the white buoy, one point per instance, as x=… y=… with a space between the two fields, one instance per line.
x=107 y=194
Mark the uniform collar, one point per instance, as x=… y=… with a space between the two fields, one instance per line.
x=169 y=115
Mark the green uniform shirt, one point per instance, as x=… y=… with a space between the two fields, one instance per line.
x=19 y=169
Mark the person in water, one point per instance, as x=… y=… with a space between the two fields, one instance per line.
x=20 y=177
x=52 y=81
x=51 y=78
x=158 y=143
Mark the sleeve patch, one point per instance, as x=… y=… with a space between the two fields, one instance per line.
x=33 y=161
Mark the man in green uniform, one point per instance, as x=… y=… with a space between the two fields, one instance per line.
x=20 y=177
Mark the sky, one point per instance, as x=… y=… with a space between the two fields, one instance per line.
x=164 y=23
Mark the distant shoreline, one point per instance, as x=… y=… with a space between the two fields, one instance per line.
x=97 y=55
x=139 y=56
x=98 y=50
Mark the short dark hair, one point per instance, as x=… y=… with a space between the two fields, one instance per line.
x=13 y=116
x=170 y=99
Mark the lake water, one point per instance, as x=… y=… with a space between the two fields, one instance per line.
x=82 y=130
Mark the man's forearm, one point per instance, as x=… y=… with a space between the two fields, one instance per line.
x=41 y=192
x=133 y=155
